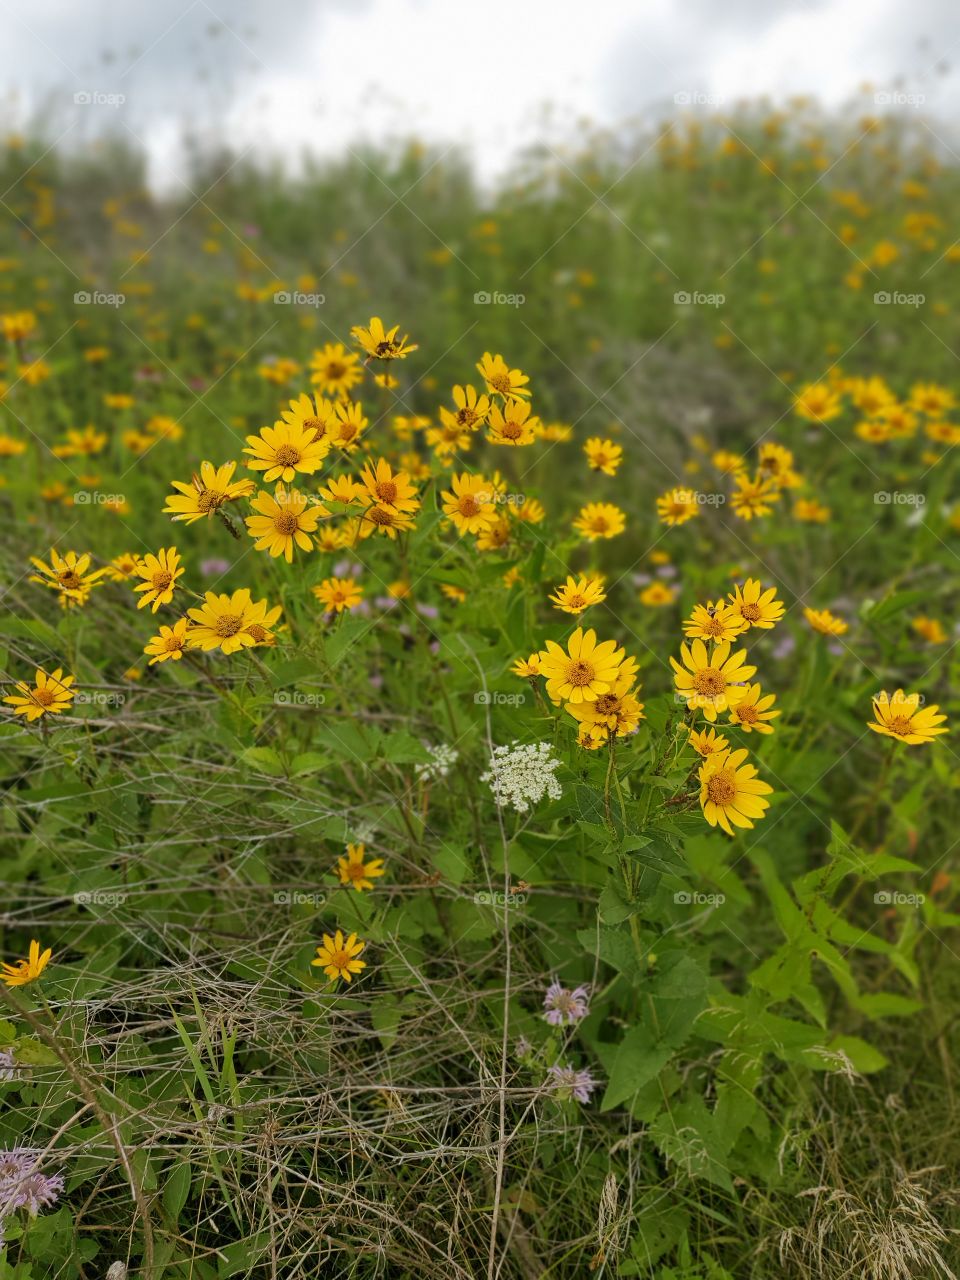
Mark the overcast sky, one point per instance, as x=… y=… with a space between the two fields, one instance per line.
x=289 y=74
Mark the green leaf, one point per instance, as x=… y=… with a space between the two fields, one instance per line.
x=634 y=1064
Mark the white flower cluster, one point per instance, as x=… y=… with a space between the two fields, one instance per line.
x=522 y=775
x=443 y=760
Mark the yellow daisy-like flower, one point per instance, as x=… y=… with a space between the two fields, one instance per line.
x=50 y=695
x=657 y=595
x=929 y=629
x=285 y=520
x=810 y=511
x=454 y=593
x=169 y=644
x=758 y=608
x=69 y=575
x=470 y=502
x=903 y=718
x=349 y=425
x=123 y=567
x=10 y=447
x=389 y=488
x=600 y=520
x=714 y=622
x=338 y=956
x=727 y=462
x=312 y=416
x=335 y=370
x=338 y=594
x=206 y=492
x=711 y=682
x=387 y=521
x=776 y=463
x=230 y=622
x=355 y=871
x=24 y=971
x=930 y=398
x=527 y=668
x=87 y=442
x=380 y=343
x=512 y=425
x=707 y=742
x=343 y=489
x=495 y=535
x=530 y=511
x=825 y=622
x=753 y=711
x=159 y=574
x=603 y=455
x=616 y=713
x=582 y=671
x=731 y=792
x=817 y=403
x=501 y=380
x=752 y=499
x=677 y=506
x=578 y=594
x=284 y=449
x=472 y=409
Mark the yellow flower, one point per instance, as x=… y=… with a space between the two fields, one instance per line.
x=494 y=535
x=677 y=506
x=600 y=520
x=50 y=695
x=901 y=717
x=387 y=521
x=456 y=594
x=353 y=870
x=817 y=403
x=159 y=574
x=389 y=488
x=11 y=447
x=68 y=575
x=929 y=629
x=753 y=711
x=714 y=622
x=337 y=594
x=169 y=644
x=87 y=442
x=707 y=742
x=382 y=344
x=711 y=682
x=757 y=607
x=312 y=416
x=530 y=510
x=931 y=399
x=284 y=520
x=17 y=325
x=727 y=462
x=123 y=566
x=230 y=622
x=527 y=668
x=511 y=425
x=335 y=370
x=348 y=425
x=472 y=409
x=501 y=380
x=616 y=713
x=823 y=620
x=754 y=498
x=343 y=489
x=583 y=671
x=284 y=449
x=24 y=971
x=338 y=956
x=810 y=511
x=603 y=455
x=470 y=502
x=657 y=595
x=731 y=792
x=578 y=594
x=775 y=463
x=206 y=492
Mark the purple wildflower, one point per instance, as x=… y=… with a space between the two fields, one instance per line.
x=214 y=568
x=8 y=1065
x=22 y=1185
x=568 y=1082
x=564 y=1006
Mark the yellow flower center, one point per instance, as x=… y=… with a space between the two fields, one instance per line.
x=749 y=715
x=316 y=426
x=575 y=601
x=377 y=515
x=466 y=418
x=347 y=431
x=162 y=580
x=287 y=455
x=44 y=696
x=709 y=682
x=173 y=643
x=70 y=580
x=356 y=871
x=501 y=382
x=386 y=490
x=607 y=704
x=714 y=626
x=228 y=624
x=259 y=633
x=286 y=523
x=336 y=370
x=339 y=959
x=750 y=611
x=468 y=505
x=209 y=500
x=599 y=524
x=580 y=673
x=387 y=349
x=721 y=788
x=512 y=430
x=901 y=725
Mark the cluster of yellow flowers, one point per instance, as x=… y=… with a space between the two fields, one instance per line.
x=882 y=417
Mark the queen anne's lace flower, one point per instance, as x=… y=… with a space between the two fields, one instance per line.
x=443 y=758
x=522 y=775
